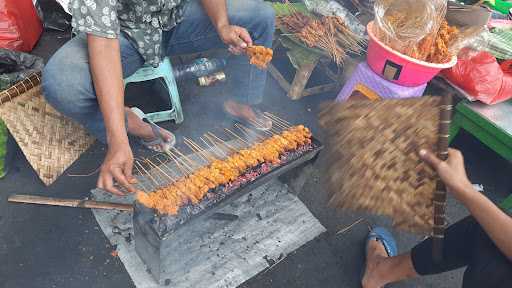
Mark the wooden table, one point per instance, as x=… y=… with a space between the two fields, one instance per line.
x=304 y=61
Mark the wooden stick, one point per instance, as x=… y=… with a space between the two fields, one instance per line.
x=440 y=192
x=168 y=168
x=159 y=169
x=179 y=165
x=278 y=118
x=140 y=182
x=32 y=199
x=147 y=173
x=212 y=148
x=239 y=138
x=206 y=152
x=251 y=131
x=276 y=123
x=223 y=142
x=195 y=150
x=193 y=163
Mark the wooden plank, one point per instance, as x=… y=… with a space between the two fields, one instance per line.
x=320 y=89
x=77 y=203
x=300 y=80
x=279 y=77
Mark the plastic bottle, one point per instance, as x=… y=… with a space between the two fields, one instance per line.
x=199 y=68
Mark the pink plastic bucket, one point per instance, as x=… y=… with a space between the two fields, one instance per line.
x=398 y=68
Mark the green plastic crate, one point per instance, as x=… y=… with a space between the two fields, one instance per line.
x=499 y=5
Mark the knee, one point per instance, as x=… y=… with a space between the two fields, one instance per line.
x=265 y=16
x=263 y=26
x=63 y=83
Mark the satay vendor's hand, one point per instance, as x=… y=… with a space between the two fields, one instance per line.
x=237 y=38
x=451 y=171
x=117 y=167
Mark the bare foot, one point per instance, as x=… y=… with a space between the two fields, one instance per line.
x=141 y=129
x=247 y=113
x=376 y=254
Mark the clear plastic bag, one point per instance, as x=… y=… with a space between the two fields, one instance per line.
x=330 y=7
x=409 y=26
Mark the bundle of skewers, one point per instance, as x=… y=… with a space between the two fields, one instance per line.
x=328 y=33
x=223 y=164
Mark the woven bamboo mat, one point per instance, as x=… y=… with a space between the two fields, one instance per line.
x=373 y=162
x=50 y=141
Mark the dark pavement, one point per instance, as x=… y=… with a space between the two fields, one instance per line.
x=44 y=246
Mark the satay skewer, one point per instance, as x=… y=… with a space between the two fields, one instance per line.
x=168 y=168
x=160 y=170
x=199 y=150
x=223 y=142
x=238 y=137
x=190 y=161
x=147 y=173
x=251 y=131
x=213 y=149
x=278 y=119
x=179 y=165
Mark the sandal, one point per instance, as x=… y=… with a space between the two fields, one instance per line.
x=384 y=236
x=158 y=144
x=262 y=122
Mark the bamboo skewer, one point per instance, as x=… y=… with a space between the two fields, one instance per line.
x=249 y=132
x=147 y=173
x=185 y=169
x=196 y=150
x=192 y=163
x=161 y=171
x=223 y=142
x=140 y=182
x=168 y=168
x=278 y=119
x=238 y=137
x=206 y=152
x=32 y=199
x=219 y=144
x=213 y=149
x=156 y=175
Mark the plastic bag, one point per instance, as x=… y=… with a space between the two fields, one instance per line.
x=20 y=27
x=16 y=66
x=330 y=7
x=479 y=74
x=404 y=24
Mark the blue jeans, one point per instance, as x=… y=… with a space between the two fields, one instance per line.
x=67 y=82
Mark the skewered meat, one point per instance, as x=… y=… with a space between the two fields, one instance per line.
x=194 y=187
x=259 y=56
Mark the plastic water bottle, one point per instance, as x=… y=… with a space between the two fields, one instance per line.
x=199 y=68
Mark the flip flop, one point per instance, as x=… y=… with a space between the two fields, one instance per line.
x=263 y=123
x=159 y=141
x=383 y=236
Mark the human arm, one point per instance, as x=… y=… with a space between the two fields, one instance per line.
x=98 y=20
x=237 y=38
x=106 y=72
x=496 y=223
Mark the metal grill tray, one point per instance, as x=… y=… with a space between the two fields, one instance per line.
x=152 y=223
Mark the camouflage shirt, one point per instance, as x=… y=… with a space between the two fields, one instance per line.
x=142 y=20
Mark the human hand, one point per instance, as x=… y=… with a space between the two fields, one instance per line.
x=451 y=171
x=117 y=166
x=237 y=38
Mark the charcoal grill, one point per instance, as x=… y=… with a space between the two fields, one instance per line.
x=153 y=231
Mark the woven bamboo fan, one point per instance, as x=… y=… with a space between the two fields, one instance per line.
x=50 y=141
x=373 y=162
